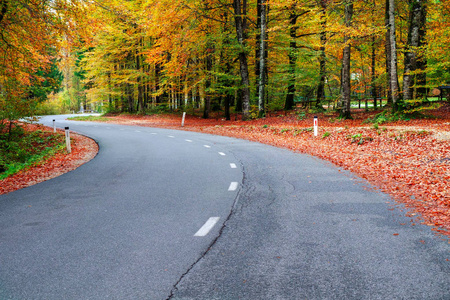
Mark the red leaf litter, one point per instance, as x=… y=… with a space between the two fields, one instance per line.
x=83 y=150
x=409 y=160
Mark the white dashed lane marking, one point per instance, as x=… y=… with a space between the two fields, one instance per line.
x=221 y=153
x=188 y=141
x=233 y=186
x=233 y=166
x=171 y=136
x=205 y=229
x=206 y=146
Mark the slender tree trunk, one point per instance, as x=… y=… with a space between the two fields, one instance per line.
x=292 y=55
x=373 y=77
x=262 y=61
x=110 y=102
x=158 y=70
x=417 y=16
x=240 y=32
x=227 y=100
x=139 y=83
x=393 y=64
x=346 y=87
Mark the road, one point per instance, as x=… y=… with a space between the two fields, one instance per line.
x=164 y=214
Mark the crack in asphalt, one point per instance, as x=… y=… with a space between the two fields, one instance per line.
x=232 y=211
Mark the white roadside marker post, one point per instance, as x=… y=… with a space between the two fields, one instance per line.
x=54 y=126
x=69 y=150
x=182 y=120
x=316 y=126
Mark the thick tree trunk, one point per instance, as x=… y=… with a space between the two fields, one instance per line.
x=239 y=15
x=346 y=87
x=257 y=48
x=227 y=101
x=393 y=62
x=388 y=54
x=209 y=62
x=322 y=58
x=292 y=56
x=3 y=9
x=262 y=61
x=130 y=98
x=416 y=33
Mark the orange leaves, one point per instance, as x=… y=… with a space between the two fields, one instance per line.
x=406 y=162
x=83 y=150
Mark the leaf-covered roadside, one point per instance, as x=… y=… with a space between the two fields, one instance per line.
x=411 y=165
x=52 y=161
x=410 y=160
x=25 y=145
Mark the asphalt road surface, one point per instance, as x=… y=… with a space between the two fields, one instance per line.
x=164 y=214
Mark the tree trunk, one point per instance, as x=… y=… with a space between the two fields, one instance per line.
x=373 y=77
x=139 y=83
x=240 y=32
x=393 y=62
x=158 y=70
x=207 y=107
x=416 y=33
x=257 y=48
x=292 y=55
x=346 y=87
x=322 y=58
x=4 y=8
x=262 y=61
x=388 y=54
x=228 y=98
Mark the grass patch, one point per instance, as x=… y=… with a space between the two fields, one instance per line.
x=88 y=118
x=23 y=149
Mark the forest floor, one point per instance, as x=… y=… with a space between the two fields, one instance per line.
x=83 y=149
x=409 y=160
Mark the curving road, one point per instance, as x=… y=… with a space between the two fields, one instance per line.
x=163 y=214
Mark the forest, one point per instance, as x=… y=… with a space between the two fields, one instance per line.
x=238 y=56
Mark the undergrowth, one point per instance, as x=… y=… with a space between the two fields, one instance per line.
x=21 y=149
x=88 y=118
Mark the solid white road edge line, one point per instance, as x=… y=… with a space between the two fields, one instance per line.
x=206 y=228
x=233 y=186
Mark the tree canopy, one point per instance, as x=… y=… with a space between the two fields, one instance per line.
x=247 y=55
